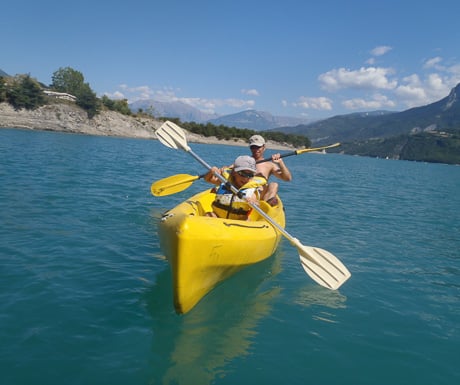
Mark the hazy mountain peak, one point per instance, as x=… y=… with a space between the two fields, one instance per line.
x=441 y=115
x=250 y=119
x=452 y=98
x=256 y=120
x=4 y=74
x=177 y=109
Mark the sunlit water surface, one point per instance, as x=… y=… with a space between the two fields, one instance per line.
x=85 y=292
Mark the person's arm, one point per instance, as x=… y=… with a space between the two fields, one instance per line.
x=211 y=178
x=282 y=171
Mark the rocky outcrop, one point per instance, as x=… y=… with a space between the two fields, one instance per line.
x=67 y=117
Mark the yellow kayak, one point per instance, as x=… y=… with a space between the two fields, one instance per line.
x=203 y=251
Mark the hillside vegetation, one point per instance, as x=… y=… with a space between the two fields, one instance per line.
x=431 y=147
x=232 y=133
x=24 y=92
x=429 y=133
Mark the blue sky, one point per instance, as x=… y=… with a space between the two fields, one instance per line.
x=289 y=58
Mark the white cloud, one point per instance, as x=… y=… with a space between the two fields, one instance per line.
x=168 y=94
x=439 y=80
x=364 y=78
x=455 y=71
x=411 y=89
x=415 y=92
x=371 y=61
x=251 y=92
x=238 y=103
x=165 y=94
x=377 y=51
x=212 y=104
x=140 y=92
x=378 y=101
x=381 y=50
x=433 y=83
x=433 y=62
x=436 y=85
x=319 y=103
x=116 y=95
x=450 y=74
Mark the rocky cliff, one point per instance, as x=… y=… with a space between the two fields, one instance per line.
x=67 y=117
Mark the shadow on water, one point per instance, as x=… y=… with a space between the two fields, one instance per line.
x=198 y=347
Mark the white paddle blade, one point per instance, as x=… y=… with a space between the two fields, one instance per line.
x=323 y=267
x=172 y=136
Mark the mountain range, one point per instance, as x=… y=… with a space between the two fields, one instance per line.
x=441 y=115
x=251 y=119
x=185 y=112
x=429 y=133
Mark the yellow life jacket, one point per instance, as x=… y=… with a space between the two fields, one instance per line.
x=230 y=205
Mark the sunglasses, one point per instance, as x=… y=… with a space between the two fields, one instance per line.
x=254 y=147
x=245 y=174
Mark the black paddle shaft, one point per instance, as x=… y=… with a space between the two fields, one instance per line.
x=261 y=161
x=281 y=156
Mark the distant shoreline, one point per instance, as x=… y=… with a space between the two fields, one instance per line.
x=66 y=117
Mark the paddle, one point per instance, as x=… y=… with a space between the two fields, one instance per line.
x=177 y=183
x=322 y=266
x=173 y=184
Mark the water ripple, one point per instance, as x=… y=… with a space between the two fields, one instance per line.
x=86 y=292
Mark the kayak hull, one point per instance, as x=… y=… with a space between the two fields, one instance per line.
x=204 y=251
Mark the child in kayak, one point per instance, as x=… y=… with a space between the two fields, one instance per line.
x=241 y=175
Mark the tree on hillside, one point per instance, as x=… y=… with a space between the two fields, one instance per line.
x=24 y=92
x=67 y=80
x=87 y=100
x=120 y=105
x=223 y=132
x=2 y=89
x=73 y=82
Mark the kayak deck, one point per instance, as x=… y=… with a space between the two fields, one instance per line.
x=203 y=251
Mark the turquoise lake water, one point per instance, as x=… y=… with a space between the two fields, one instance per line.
x=85 y=293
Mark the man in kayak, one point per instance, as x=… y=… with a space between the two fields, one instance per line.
x=242 y=176
x=276 y=167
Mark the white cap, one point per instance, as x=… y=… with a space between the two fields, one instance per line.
x=256 y=140
x=245 y=162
